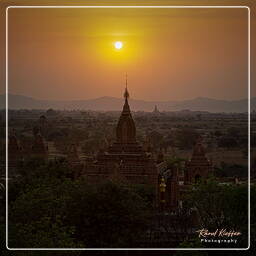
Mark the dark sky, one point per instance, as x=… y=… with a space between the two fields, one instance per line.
x=169 y=54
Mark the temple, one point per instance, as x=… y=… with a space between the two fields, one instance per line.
x=156 y=112
x=39 y=149
x=198 y=167
x=125 y=158
x=19 y=151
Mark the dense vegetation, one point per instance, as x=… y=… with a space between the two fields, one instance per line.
x=47 y=208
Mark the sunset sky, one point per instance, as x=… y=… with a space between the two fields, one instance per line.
x=169 y=54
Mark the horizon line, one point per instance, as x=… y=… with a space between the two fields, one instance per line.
x=131 y=98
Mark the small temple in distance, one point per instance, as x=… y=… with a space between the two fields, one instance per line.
x=156 y=112
x=19 y=151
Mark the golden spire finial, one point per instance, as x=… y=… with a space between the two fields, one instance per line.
x=126 y=93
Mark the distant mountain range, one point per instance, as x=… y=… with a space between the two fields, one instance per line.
x=115 y=104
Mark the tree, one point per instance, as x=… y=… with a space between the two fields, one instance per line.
x=231 y=170
x=37 y=215
x=221 y=206
x=90 y=146
x=218 y=133
x=37 y=206
x=186 y=138
x=234 y=131
x=47 y=208
x=192 y=244
x=117 y=210
x=43 y=233
x=227 y=142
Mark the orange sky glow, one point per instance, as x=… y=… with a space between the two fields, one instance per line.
x=169 y=54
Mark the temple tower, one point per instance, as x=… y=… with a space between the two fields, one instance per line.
x=39 y=149
x=172 y=191
x=126 y=130
x=134 y=165
x=74 y=161
x=72 y=156
x=198 y=167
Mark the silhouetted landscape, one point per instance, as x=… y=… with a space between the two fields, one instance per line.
x=128 y=128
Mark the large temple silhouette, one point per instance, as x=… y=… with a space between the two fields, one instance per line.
x=125 y=159
x=128 y=162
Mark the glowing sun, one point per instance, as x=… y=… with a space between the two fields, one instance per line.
x=118 y=45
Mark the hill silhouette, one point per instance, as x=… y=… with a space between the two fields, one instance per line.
x=115 y=104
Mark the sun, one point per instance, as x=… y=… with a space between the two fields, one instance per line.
x=118 y=45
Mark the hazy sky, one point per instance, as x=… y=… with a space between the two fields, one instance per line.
x=169 y=54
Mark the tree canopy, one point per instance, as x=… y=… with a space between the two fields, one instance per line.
x=48 y=208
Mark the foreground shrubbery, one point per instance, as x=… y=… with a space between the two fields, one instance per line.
x=221 y=206
x=47 y=208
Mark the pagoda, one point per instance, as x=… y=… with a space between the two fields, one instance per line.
x=199 y=166
x=38 y=149
x=126 y=157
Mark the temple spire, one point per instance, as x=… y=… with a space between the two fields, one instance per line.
x=126 y=130
x=126 y=108
x=126 y=93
